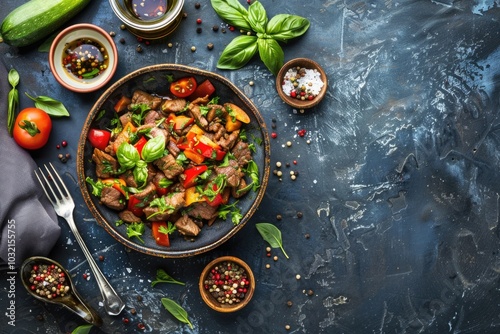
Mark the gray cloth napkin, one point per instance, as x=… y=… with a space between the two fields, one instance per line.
x=28 y=222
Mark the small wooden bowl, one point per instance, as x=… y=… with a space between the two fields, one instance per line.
x=225 y=307
x=303 y=63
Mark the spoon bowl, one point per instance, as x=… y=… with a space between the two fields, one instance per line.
x=70 y=300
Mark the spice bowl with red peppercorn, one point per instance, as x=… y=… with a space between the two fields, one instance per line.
x=49 y=282
x=301 y=83
x=227 y=284
x=83 y=58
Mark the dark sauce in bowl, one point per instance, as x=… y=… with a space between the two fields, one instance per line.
x=85 y=58
x=147 y=9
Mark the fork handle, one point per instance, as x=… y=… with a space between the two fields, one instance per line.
x=112 y=302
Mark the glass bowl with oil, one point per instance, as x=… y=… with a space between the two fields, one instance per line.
x=83 y=58
x=149 y=19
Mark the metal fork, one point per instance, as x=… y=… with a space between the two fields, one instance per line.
x=64 y=205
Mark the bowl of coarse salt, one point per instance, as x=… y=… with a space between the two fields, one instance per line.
x=301 y=83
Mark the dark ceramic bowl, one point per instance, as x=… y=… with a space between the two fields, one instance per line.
x=211 y=301
x=155 y=79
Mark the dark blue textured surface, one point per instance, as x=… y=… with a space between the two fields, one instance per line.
x=398 y=187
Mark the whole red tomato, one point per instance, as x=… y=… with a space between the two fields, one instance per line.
x=32 y=128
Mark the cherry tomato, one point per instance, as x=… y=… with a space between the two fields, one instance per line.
x=99 y=138
x=32 y=128
x=203 y=89
x=183 y=87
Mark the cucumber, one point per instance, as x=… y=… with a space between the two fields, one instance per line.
x=37 y=19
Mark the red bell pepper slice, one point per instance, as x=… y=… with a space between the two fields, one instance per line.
x=99 y=138
x=135 y=205
x=139 y=145
x=206 y=88
x=161 y=239
x=208 y=151
x=191 y=174
x=122 y=104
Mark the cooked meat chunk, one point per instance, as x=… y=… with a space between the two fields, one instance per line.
x=173 y=106
x=125 y=118
x=148 y=192
x=151 y=117
x=237 y=192
x=201 y=100
x=175 y=200
x=141 y=97
x=216 y=111
x=128 y=177
x=112 y=198
x=195 y=111
x=155 y=214
x=156 y=131
x=186 y=226
x=128 y=217
x=233 y=173
x=106 y=165
x=242 y=153
x=172 y=148
x=202 y=210
x=229 y=139
x=218 y=130
x=169 y=166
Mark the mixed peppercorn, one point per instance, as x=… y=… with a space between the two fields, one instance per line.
x=48 y=281
x=227 y=282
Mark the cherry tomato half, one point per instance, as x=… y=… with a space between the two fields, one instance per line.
x=99 y=138
x=183 y=87
x=32 y=128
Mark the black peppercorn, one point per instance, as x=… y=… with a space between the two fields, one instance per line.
x=199 y=30
x=215 y=28
x=210 y=46
x=299 y=214
x=197 y=5
x=279 y=217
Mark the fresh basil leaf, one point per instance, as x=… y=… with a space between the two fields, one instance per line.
x=127 y=156
x=13 y=77
x=141 y=173
x=82 y=329
x=271 y=54
x=49 y=105
x=232 y=12
x=153 y=149
x=283 y=27
x=257 y=17
x=272 y=235
x=13 y=99
x=238 y=52
x=163 y=277
x=176 y=310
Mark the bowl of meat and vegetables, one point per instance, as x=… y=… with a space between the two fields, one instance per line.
x=173 y=160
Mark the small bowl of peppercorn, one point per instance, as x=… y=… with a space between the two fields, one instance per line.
x=227 y=284
x=301 y=83
x=83 y=58
x=49 y=282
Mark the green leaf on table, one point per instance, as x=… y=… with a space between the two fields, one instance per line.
x=272 y=235
x=176 y=310
x=13 y=99
x=232 y=12
x=283 y=27
x=83 y=329
x=271 y=54
x=257 y=17
x=163 y=277
x=238 y=52
x=51 y=106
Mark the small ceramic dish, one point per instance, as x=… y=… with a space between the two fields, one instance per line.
x=45 y=288
x=151 y=21
x=83 y=58
x=227 y=284
x=301 y=83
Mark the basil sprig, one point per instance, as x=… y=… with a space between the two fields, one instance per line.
x=265 y=37
x=153 y=149
x=51 y=106
x=127 y=155
x=176 y=310
x=13 y=97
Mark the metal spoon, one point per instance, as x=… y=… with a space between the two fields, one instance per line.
x=71 y=300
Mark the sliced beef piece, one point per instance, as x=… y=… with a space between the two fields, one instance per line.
x=152 y=117
x=106 y=165
x=175 y=200
x=186 y=226
x=172 y=148
x=169 y=166
x=145 y=128
x=128 y=177
x=147 y=193
x=195 y=111
x=229 y=139
x=218 y=130
x=216 y=111
x=233 y=173
x=201 y=100
x=202 y=210
x=128 y=217
x=141 y=97
x=173 y=106
x=153 y=214
x=156 y=131
x=125 y=118
x=242 y=153
x=112 y=198
x=237 y=192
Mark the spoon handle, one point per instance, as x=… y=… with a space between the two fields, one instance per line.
x=112 y=302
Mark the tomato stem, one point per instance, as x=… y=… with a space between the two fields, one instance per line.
x=29 y=127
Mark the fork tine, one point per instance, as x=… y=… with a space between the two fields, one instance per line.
x=43 y=185
x=63 y=195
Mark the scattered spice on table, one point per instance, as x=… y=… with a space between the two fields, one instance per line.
x=48 y=281
x=227 y=282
